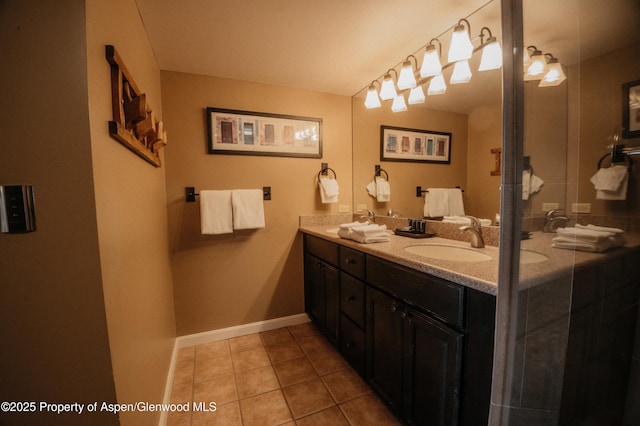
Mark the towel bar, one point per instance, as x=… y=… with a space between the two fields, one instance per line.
x=420 y=191
x=190 y=193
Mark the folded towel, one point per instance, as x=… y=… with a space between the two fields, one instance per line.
x=530 y=184
x=463 y=220
x=600 y=228
x=456 y=206
x=588 y=235
x=383 y=190
x=372 y=229
x=611 y=183
x=581 y=244
x=439 y=202
x=329 y=190
x=352 y=224
x=365 y=234
x=216 y=216
x=248 y=208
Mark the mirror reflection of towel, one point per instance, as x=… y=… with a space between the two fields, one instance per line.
x=611 y=183
x=439 y=202
x=530 y=184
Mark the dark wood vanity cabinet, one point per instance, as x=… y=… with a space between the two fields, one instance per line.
x=423 y=343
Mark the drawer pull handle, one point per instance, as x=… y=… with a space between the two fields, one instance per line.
x=403 y=315
x=350 y=261
x=394 y=307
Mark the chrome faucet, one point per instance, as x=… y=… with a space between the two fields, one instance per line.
x=553 y=222
x=370 y=215
x=475 y=229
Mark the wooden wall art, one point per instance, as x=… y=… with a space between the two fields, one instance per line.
x=134 y=124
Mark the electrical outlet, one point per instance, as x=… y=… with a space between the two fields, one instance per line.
x=361 y=207
x=581 y=208
x=550 y=206
x=344 y=208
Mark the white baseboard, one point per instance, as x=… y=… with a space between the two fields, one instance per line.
x=221 y=334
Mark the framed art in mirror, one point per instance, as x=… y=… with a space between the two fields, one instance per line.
x=427 y=146
x=255 y=133
x=631 y=109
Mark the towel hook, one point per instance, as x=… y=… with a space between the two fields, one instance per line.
x=190 y=194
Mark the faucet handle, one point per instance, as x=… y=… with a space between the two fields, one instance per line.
x=475 y=222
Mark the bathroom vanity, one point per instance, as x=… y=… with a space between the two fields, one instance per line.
x=420 y=331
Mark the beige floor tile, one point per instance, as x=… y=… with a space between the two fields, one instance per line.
x=210 y=367
x=225 y=415
x=368 y=410
x=279 y=335
x=212 y=349
x=256 y=381
x=178 y=418
x=283 y=351
x=331 y=416
x=250 y=359
x=265 y=409
x=326 y=362
x=311 y=344
x=243 y=343
x=303 y=330
x=345 y=385
x=294 y=371
x=219 y=390
x=181 y=393
x=307 y=398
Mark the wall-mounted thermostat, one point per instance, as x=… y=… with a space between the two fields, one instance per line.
x=17 y=209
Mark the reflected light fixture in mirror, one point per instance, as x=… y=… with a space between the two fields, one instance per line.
x=555 y=75
x=491 y=53
x=537 y=65
x=437 y=86
x=399 y=104
x=407 y=78
x=372 y=100
x=388 y=89
x=431 y=65
x=461 y=48
x=416 y=96
x=461 y=72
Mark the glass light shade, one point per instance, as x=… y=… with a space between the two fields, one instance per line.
x=430 y=63
x=526 y=59
x=461 y=47
x=388 y=89
x=407 y=78
x=416 y=96
x=399 y=104
x=554 y=76
x=461 y=73
x=537 y=68
x=491 y=56
x=372 y=101
x=437 y=85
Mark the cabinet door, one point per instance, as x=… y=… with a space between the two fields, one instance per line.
x=432 y=371
x=332 y=303
x=384 y=340
x=313 y=288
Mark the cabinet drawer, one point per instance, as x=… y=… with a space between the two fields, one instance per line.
x=322 y=249
x=352 y=298
x=352 y=261
x=436 y=296
x=352 y=340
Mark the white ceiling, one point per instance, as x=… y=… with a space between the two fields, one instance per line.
x=340 y=46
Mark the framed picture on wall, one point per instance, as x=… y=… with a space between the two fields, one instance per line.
x=256 y=133
x=426 y=146
x=631 y=109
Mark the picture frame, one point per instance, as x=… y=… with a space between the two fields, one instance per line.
x=631 y=109
x=414 y=145
x=238 y=132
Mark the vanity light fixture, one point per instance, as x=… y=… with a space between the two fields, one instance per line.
x=388 y=89
x=491 y=52
x=461 y=47
x=373 y=100
x=555 y=75
x=431 y=65
x=437 y=86
x=461 y=72
x=407 y=78
x=537 y=66
x=399 y=104
x=416 y=96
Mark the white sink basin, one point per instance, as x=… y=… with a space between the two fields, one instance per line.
x=447 y=252
x=527 y=257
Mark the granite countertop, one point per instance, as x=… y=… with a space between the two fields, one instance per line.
x=482 y=275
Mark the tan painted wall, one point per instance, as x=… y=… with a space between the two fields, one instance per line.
x=55 y=345
x=132 y=217
x=248 y=276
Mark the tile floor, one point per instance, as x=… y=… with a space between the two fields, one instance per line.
x=288 y=376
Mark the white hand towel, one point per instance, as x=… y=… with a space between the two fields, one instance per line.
x=372 y=229
x=600 y=228
x=463 y=220
x=587 y=235
x=371 y=189
x=383 y=190
x=579 y=243
x=611 y=183
x=216 y=216
x=352 y=224
x=456 y=205
x=329 y=190
x=248 y=208
x=530 y=184
x=436 y=202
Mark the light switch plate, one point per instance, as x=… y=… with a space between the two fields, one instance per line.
x=550 y=206
x=581 y=208
x=344 y=208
